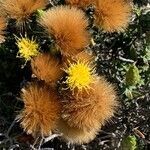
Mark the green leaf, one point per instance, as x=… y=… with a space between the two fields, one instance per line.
x=129 y=143
x=132 y=76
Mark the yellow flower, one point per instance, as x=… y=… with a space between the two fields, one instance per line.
x=27 y=48
x=80 y=75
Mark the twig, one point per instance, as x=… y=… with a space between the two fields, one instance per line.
x=126 y=60
x=35 y=142
x=51 y=137
x=11 y=126
x=51 y=2
x=138 y=133
x=41 y=142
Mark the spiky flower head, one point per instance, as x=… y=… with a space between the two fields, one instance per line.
x=92 y=109
x=132 y=76
x=41 y=109
x=112 y=15
x=27 y=48
x=47 y=67
x=67 y=25
x=80 y=75
x=2 y=28
x=22 y=9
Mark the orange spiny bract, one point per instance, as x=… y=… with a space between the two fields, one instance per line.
x=67 y=25
x=75 y=135
x=47 y=67
x=22 y=9
x=89 y=110
x=41 y=109
x=82 y=56
x=2 y=28
x=112 y=15
x=79 y=3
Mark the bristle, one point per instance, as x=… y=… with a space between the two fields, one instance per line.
x=67 y=25
x=112 y=16
x=47 y=67
x=79 y=3
x=41 y=109
x=75 y=135
x=22 y=9
x=85 y=56
x=2 y=28
x=87 y=110
x=82 y=56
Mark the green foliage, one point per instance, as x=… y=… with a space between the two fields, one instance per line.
x=132 y=75
x=40 y=12
x=129 y=143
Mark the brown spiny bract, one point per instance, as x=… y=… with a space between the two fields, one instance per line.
x=89 y=109
x=75 y=135
x=82 y=56
x=112 y=15
x=47 y=67
x=41 y=109
x=67 y=25
x=2 y=28
x=22 y=9
x=79 y=3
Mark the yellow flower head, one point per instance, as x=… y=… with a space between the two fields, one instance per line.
x=27 y=48
x=80 y=75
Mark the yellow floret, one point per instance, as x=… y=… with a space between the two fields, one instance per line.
x=27 y=48
x=80 y=75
